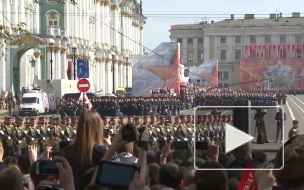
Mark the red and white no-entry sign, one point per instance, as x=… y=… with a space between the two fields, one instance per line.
x=83 y=85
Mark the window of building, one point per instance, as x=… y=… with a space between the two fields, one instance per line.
x=186 y=73
x=283 y=39
x=266 y=53
x=268 y=39
x=252 y=39
x=200 y=55
x=298 y=38
x=223 y=54
x=200 y=40
x=237 y=54
x=180 y=40
x=226 y=75
x=238 y=39
x=190 y=55
x=223 y=39
x=220 y=85
x=52 y=18
x=220 y=75
x=190 y=40
x=226 y=85
x=299 y=53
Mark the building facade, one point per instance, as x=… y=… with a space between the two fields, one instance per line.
x=107 y=33
x=229 y=41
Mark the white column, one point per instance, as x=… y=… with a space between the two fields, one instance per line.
x=2 y=67
x=98 y=23
x=103 y=77
x=36 y=15
x=109 y=77
x=37 y=55
x=102 y=27
x=116 y=75
x=97 y=75
x=130 y=76
x=67 y=18
x=57 y=71
x=64 y=64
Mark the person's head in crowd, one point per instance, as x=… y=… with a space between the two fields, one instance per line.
x=162 y=120
x=233 y=184
x=125 y=153
x=24 y=164
x=153 y=119
x=106 y=120
x=89 y=131
x=137 y=120
x=291 y=176
x=146 y=119
x=211 y=179
x=189 y=118
x=11 y=178
x=33 y=121
x=130 y=119
x=171 y=175
x=198 y=161
x=223 y=158
x=211 y=118
x=295 y=123
x=183 y=119
x=10 y=161
x=114 y=120
x=170 y=119
x=259 y=156
x=121 y=121
x=177 y=120
x=189 y=176
x=68 y=121
x=177 y=161
x=153 y=173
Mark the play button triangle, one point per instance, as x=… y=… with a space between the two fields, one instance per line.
x=235 y=138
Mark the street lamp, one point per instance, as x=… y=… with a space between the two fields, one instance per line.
x=74 y=47
x=113 y=62
x=127 y=58
x=51 y=43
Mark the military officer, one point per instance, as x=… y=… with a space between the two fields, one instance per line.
x=31 y=133
x=114 y=127
x=18 y=135
x=294 y=130
x=7 y=134
x=161 y=129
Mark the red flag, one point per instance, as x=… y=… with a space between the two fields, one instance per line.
x=287 y=52
x=248 y=180
x=274 y=50
x=302 y=50
x=264 y=47
x=292 y=50
x=69 y=71
x=269 y=50
x=246 y=48
x=252 y=53
x=298 y=46
x=279 y=48
x=258 y=51
x=282 y=54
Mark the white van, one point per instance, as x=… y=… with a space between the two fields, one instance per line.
x=34 y=103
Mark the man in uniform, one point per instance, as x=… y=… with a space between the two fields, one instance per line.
x=18 y=135
x=7 y=134
x=68 y=129
x=161 y=129
x=42 y=132
x=31 y=133
x=114 y=127
x=260 y=123
x=280 y=117
x=294 y=130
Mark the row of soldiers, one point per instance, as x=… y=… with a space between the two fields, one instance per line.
x=175 y=128
x=19 y=132
x=229 y=99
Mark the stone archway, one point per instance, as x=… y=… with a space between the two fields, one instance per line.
x=26 y=61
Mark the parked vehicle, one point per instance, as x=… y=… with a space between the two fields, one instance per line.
x=34 y=103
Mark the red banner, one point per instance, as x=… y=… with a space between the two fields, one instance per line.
x=246 y=49
x=258 y=51
x=277 y=73
x=284 y=47
x=274 y=50
x=287 y=52
x=292 y=50
x=269 y=50
x=279 y=48
x=248 y=180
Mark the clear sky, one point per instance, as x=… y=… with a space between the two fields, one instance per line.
x=157 y=26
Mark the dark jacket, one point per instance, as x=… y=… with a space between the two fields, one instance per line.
x=78 y=172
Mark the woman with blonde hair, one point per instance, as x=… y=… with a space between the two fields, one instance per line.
x=88 y=148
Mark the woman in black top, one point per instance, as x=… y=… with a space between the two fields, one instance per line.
x=87 y=149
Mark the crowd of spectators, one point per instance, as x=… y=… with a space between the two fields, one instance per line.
x=80 y=165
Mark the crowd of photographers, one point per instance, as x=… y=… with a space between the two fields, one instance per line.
x=140 y=154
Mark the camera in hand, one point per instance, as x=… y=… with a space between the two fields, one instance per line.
x=128 y=132
x=179 y=145
x=201 y=145
x=56 y=152
x=106 y=133
x=115 y=175
x=47 y=167
x=24 y=151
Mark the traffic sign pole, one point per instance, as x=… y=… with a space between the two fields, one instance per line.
x=83 y=86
